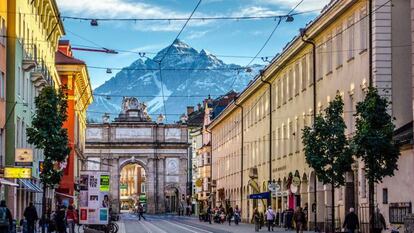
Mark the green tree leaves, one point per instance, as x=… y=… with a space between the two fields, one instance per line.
x=373 y=140
x=327 y=149
x=47 y=133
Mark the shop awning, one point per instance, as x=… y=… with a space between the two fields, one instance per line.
x=6 y=182
x=265 y=195
x=65 y=195
x=30 y=186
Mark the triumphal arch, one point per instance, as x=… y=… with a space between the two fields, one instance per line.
x=134 y=138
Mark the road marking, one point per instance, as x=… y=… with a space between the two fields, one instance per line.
x=146 y=228
x=195 y=227
x=153 y=225
x=187 y=229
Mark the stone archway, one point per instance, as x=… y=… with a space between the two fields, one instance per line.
x=133 y=183
x=172 y=198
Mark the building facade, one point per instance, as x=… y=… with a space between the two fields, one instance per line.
x=132 y=186
x=3 y=55
x=33 y=31
x=74 y=77
x=275 y=108
x=195 y=138
x=133 y=138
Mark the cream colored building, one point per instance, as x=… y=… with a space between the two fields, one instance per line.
x=341 y=34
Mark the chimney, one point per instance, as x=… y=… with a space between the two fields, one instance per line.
x=198 y=106
x=190 y=109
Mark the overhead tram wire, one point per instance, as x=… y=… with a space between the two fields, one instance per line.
x=168 y=50
x=267 y=40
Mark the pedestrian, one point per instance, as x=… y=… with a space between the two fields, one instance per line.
x=71 y=218
x=270 y=218
x=209 y=214
x=230 y=214
x=299 y=219
x=305 y=211
x=141 y=212
x=31 y=216
x=60 y=219
x=256 y=219
x=6 y=219
x=351 y=222
x=378 y=220
x=237 y=214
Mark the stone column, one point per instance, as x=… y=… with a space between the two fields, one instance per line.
x=150 y=183
x=114 y=183
x=161 y=184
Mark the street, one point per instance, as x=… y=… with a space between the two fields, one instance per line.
x=129 y=223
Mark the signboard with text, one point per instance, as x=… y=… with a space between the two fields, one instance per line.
x=17 y=172
x=94 y=197
x=23 y=157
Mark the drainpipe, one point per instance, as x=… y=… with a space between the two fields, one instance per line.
x=370 y=42
x=241 y=151
x=311 y=42
x=269 y=201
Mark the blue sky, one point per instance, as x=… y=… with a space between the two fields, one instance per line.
x=243 y=38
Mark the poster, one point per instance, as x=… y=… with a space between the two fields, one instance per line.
x=103 y=215
x=94 y=199
x=104 y=185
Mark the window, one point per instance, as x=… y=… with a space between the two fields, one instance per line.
x=18 y=132
x=284 y=140
x=339 y=46
x=398 y=212
x=290 y=137
x=319 y=62
x=279 y=93
x=284 y=87
x=297 y=135
x=2 y=86
x=143 y=188
x=351 y=31
x=297 y=79
x=311 y=69
x=304 y=73
x=363 y=29
x=328 y=55
x=278 y=143
x=19 y=80
x=290 y=85
x=2 y=31
x=385 y=196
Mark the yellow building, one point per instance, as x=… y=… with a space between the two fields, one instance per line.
x=261 y=139
x=33 y=31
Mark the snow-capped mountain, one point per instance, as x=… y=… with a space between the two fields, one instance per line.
x=187 y=77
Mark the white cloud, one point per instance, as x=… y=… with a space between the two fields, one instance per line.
x=126 y=9
x=196 y=34
x=304 y=6
x=257 y=11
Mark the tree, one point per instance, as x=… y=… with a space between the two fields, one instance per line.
x=373 y=141
x=47 y=133
x=327 y=149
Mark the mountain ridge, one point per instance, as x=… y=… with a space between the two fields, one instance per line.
x=187 y=75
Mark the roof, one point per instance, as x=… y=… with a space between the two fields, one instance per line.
x=196 y=118
x=62 y=59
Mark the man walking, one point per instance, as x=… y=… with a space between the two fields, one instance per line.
x=379 y=221
x=30 y=214
x=270 y=217
x=351 y=222
x=6 y=219
x=230 y=215
x=299 y=219
x=141 y=212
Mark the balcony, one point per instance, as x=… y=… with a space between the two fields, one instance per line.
x=29 y=57
x=40 y=76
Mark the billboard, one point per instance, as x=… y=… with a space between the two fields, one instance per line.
x=94 y=197
x=23 y=157
x=17 y=172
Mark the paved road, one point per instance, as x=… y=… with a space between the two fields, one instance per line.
x=169 y=223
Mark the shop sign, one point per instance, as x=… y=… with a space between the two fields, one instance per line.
x=199 y=182
x=23 y=157
x=104 y=185
x=124 y=186
x=17 y=172
x=41 y=166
